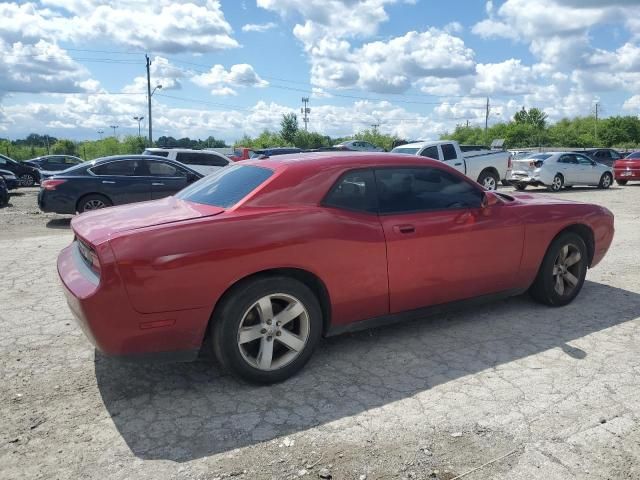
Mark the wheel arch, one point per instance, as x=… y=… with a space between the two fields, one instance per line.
x=492 y=170
x=311 y=280
x=583 y=231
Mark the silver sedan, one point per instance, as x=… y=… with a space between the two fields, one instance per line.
x=556 y=170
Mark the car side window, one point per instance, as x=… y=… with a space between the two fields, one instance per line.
x=355 y=190
x=582 y=160
x=431 y=152
x=70 y=161
x=403 y=190
x=122 y=168
x=162 y=169
x=567 y=159
x=448 y=151
x=3 y=161
x=613 y=154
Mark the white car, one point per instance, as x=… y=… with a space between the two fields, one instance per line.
x=556 y=170
x=202 y=161
x=359 y=146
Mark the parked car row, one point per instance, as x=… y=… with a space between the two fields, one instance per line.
x=27 y=174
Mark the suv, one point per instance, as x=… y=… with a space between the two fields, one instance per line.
x=202 y=161
x=27 y=174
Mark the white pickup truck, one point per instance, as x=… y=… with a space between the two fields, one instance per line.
x=487 y=167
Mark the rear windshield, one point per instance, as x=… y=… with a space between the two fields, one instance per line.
x=540 y=156
x=157 y=154
x=227 y=186
x=410 y=151
x=634 y=155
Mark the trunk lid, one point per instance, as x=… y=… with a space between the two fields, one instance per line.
x=100 y=225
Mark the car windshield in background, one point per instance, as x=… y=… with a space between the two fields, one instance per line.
x=540 y=156
x=634 y=155
x=227 y=186
x=409 y=151
x=157 y=154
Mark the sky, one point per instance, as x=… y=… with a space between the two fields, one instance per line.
x=416 y=68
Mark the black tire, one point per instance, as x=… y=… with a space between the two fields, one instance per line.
x=489 y=180
x=545 y=286
x=556 y=184
x=605 y=180
x=568 y=187
x=505 y=183
x=27 y=180
x=520 y=186
x=93 y=201
x=622 y=183
x=239 y=304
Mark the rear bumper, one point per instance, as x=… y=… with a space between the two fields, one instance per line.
x=102 y=309
x=53 y=202
x=624 y=174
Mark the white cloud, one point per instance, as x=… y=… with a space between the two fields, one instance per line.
x=41 y=67
x=196 y=26
x=632 y=104
x=222 y=81
x=259 y=27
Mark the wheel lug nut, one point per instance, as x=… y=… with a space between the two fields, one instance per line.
x=263 y=331
x=278 y=333
x=277 y=324
x=268 y=322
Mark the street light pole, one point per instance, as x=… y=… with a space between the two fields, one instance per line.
x=114 y=130
x=100 y=132
x=139 y=119
x=149 y=95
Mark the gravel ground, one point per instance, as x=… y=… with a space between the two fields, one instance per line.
x=518 y=389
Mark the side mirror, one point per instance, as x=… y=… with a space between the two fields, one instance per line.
x=489 y=200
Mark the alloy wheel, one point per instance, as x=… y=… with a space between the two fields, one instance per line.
x=489 y=183
x=273 y=331
x=606 y=181
x=27 y=180
x=557 y=183
x=94 y=204
x=566 y=270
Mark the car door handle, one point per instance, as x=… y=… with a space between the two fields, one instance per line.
x=157 y=184
x=457 y=164
x=107 y=181
x=404 y=228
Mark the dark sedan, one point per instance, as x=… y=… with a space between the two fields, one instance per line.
x=113 y=181
x=10 y=179
x=27 y=174
x=54 y=163
x=605 y=156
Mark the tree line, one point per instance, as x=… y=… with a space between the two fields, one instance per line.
x=528 y=128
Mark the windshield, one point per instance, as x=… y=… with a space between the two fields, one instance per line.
x=409 y=151
x=634 y=155
x=540 y=156
x=160 y=153
x=227 y=186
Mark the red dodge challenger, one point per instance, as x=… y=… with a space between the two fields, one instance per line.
x=266 y=256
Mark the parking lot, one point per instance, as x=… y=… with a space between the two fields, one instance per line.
x=518 y=389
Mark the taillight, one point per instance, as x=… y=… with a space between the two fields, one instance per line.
x=538 y=164
x=89 y=255
x=51 y=184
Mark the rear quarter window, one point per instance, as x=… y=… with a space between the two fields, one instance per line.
x=227 y=186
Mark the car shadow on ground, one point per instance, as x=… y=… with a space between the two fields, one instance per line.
x=181 y=412
x=59 y=223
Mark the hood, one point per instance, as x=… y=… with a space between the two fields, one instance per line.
x=100 y=225
x=538 y=199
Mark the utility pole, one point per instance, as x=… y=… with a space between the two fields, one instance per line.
x=149 y=99
x=486 y=121
x=114 y=130
x=100 y=132
x=139 y=118
x=46 y=138
x=596 y=126
x=305 y=112
x=375 y=127
x=467 y=124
